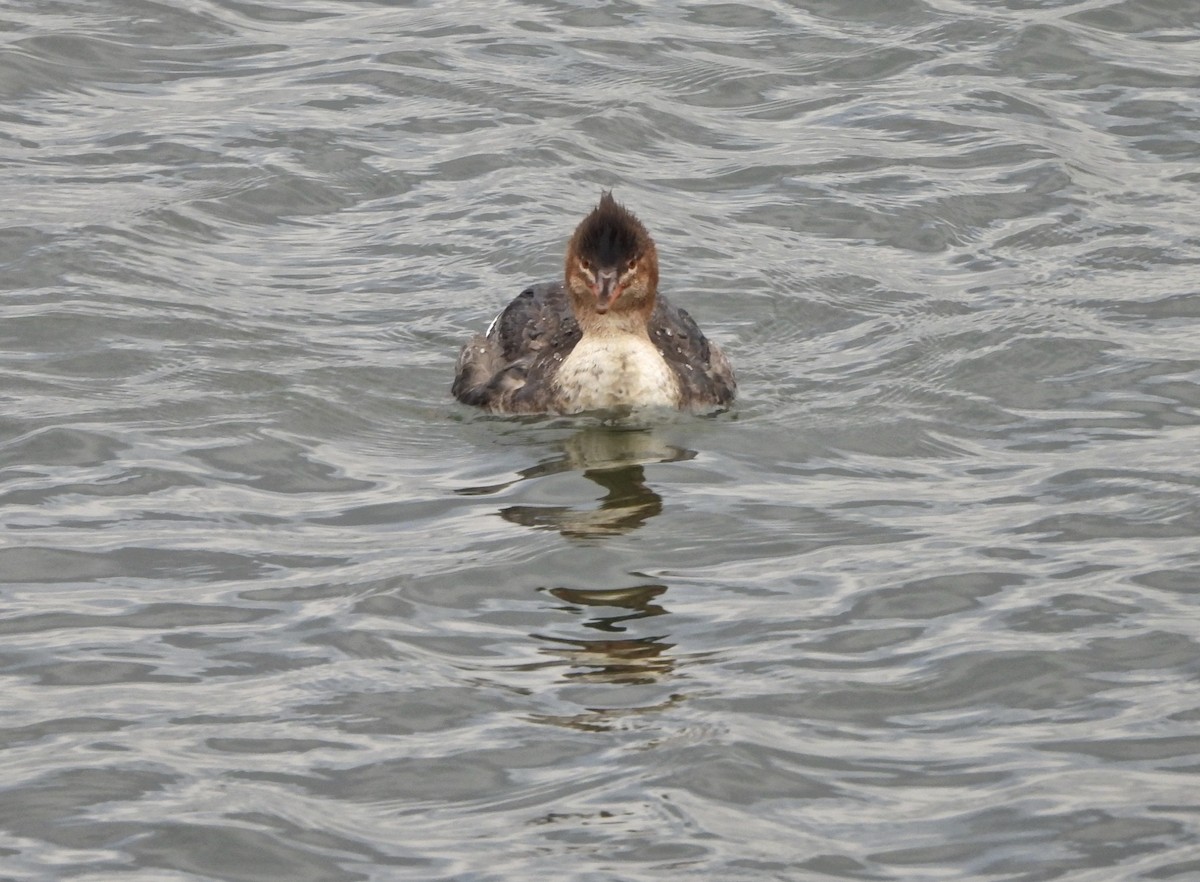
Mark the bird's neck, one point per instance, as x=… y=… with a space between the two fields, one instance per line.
x=626 y=319
x=614 y=323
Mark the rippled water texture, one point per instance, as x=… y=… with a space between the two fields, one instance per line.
x=923 y=606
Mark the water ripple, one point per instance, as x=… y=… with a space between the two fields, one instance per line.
x=920 y=606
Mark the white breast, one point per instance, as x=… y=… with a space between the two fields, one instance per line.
x=614 y=370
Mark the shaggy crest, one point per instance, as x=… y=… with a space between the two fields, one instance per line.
x=610 y=235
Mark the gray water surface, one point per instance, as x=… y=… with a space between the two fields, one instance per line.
x=923 y=606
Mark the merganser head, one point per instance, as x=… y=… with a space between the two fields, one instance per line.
x=612 y=263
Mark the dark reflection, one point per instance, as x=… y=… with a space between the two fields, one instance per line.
x=613 y=658
x=608 y=661
x=627 y=505
x=611 y=457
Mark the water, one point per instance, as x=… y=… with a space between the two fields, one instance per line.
x=922 y=607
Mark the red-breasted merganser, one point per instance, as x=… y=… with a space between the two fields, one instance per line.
x=603 y=338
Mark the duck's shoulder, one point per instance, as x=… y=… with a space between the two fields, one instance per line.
x=537 y=321
x=509 y=368
x=704 y=373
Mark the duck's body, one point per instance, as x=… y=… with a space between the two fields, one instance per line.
x=604 y=339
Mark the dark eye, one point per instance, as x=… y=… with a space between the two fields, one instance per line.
x=632 y=265
x=586 y=265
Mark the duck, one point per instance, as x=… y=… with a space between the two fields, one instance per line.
x=602 y=339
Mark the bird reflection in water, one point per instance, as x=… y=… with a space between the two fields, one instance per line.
x=611 y=457
x=613 y=658
x=627 y=504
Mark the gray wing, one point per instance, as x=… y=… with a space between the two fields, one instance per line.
x=704 y=373
x=507 y=369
